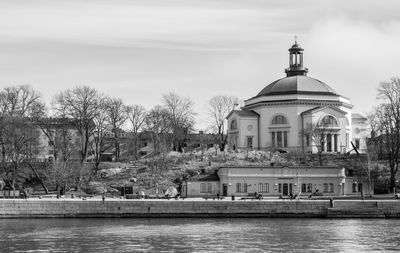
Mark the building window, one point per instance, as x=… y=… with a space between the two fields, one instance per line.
x=307 y=139
x=335 y=147
x=209 y=188
x=354 y=187
x=233 y=125
x=273 y=139
x=279 y=139
x=203 y=188
x=309 y=188
x=244 y=187
x=329 y=121
x=238 y=187
x=357 y=142
x=263 y=187
x=322 y=143
x=331 y=187
x=250 y=142
x=279 y=120
x=303 y=187
x=326 y=187
x=285 y=139
x=329 y=142
x=279 y=187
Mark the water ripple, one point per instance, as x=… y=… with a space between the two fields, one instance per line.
x=199 y=235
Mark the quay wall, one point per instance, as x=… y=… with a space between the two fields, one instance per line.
x=33 y=208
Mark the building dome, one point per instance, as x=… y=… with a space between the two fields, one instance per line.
x=296 y=80
x=298 y=84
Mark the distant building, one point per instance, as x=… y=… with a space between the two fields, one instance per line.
x=145 y=145
x=274 y=181
x=360 y=131
x=289 y=111
x=53 y=130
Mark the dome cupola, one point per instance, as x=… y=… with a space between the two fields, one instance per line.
x=296 y=67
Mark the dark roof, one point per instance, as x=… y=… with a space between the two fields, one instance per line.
x=205 y=177
x=244 y=113
x=357 y=116
x=298 y=84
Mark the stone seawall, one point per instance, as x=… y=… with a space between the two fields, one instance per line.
x=184 y=208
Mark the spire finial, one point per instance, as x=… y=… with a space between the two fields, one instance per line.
x=295 y=39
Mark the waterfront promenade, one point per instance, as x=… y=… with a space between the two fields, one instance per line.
x=197 y=207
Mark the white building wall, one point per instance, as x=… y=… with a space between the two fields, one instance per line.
x=248 y=128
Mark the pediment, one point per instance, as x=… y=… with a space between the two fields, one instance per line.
x=325 y=109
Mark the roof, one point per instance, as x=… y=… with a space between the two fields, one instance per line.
x=204 y=177
x=358 y=116
x=298 y=84
x=244 y=113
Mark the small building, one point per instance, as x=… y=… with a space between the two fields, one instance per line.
x=275 y=181
x=203 y=185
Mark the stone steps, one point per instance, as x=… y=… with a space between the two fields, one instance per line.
x=355 y=213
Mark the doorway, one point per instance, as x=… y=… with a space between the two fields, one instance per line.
x=224 y=190
x=287 y=189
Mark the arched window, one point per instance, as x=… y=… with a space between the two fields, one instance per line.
x=329 y=121
x=279 y=120
x=233 y=124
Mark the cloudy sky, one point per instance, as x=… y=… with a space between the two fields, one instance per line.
x=139 y=50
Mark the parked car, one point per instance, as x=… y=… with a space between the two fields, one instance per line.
x=397 y=195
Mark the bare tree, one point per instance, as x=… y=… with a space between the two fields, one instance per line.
x=157 y=124
x=315 y=136
x=81 y=105
x=117 y=115
x=22 y=101
x=19 y=138
x=136 y=116
x=388 y=115
x=101 y=129
x=20 y=141
x=60 y=135
x=181 y=118
x=218 y=109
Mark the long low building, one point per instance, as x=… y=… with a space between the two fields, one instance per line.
x=242 y=181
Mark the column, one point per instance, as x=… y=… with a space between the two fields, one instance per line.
x=301 y=59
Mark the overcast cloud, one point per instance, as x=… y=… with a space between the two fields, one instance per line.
x=139 y=50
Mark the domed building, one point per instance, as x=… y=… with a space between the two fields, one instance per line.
x=295 y=112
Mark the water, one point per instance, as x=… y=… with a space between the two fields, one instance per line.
x=199 y=235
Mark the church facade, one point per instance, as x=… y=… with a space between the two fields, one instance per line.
x=296 y=112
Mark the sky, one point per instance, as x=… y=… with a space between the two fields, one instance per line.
x=140 y=50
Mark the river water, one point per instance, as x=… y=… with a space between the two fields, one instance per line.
x=199 y=235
